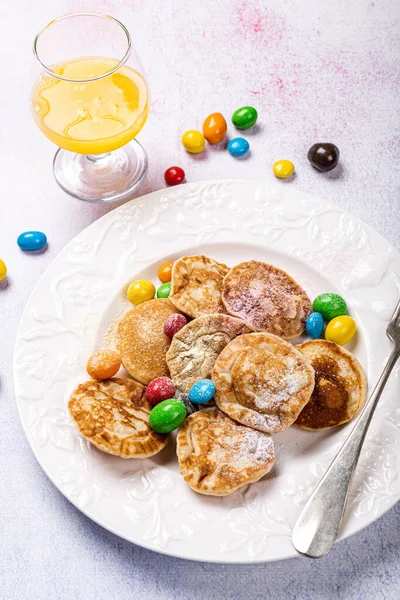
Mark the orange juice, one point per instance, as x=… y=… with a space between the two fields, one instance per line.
x=90 y=117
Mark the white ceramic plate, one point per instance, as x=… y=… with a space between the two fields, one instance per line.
x=147 y=501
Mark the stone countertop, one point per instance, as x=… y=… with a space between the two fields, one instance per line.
x=316 y=72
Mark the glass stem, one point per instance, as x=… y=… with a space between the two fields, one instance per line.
x=96 y=157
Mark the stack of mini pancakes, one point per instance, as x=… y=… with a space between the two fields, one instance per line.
x=241 y=319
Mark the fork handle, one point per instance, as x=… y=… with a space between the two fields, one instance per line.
x=317 y=527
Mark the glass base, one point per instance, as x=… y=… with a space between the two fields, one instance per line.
x=101 y=177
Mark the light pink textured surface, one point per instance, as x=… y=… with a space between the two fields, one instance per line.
x=316 y=71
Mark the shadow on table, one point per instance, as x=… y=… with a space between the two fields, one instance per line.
x=355 y=568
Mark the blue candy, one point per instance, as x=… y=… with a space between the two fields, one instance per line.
x=238 y=146
x=315 y=325
x=32 y=240
x=202 y=391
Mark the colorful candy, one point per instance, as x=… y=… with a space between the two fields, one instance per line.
x=324 y=157
x=167 y=416
x=3 y=270
x=164 y=290
x=174 y=323
x=140 y=291
x=341 y=329
x=165 y=272
x=238 y=147
x=215 y=128
x=174 y=175
x=245 y=117
x=202 y=391
x=193 y=141
x=330 y=305
x=283 y=168
x=315 y=325
x=32 y=240
x=103 y=364
x=161 y=388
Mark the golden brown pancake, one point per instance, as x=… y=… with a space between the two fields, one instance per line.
x=114 y=416
x=196 y=285
x=340 y=385
x=217 y=456
x=141 y=341
x=195 y=348
x=266 y=298
x=262 y=381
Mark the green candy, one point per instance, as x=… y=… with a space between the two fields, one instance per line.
x=330 y=306
x=245 y=117
x=164 y=290
x=167 y=416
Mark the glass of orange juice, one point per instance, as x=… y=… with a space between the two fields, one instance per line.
x=91 y=99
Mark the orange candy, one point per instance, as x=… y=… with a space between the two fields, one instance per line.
x=103 y=364
x=214 y=128
x=165 y=272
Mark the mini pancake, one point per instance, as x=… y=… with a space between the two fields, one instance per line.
x=114 y=416
x=340 y=385
x=195 y=348
x=262 y=381
x=217 y=456
x=266 y=298
x=196 y=285
x=141 y=341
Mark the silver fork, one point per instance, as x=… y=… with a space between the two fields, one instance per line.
x=317 y=527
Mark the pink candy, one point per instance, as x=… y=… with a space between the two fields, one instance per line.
x=173 y=324
x=160 y=389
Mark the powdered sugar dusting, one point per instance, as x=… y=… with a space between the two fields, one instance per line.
x=266 y=298
x=279 y=390
x=272 y=422
x=262 y=382
x=253 y=446
x=196 y=285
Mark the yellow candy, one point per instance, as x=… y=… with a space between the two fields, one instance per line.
x=140 y=291
x=283 y=169
x=3 y=270
x=193 y=141
x=341 y=330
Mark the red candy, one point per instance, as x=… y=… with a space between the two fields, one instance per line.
x=174 y=175
x=160 y=389
x=173 y=324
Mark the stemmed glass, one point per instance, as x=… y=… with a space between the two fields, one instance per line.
x=91 y=99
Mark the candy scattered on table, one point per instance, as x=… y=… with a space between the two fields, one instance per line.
x=164 y=290
x=193 y=141
x=315 y=325
x=32 y=240
x=167 y=416
x=3 y=270
x=245 y=117
x=202 y=391
x=330 y=305
x=161 y=388
x=238 y=147
x=215 y=128
x=174 y=323
x=174 y=175
x=140 y=291
x=324 y=157
x=165 y=272
x=283 y=168
x=341 y=329
x=103 y=364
